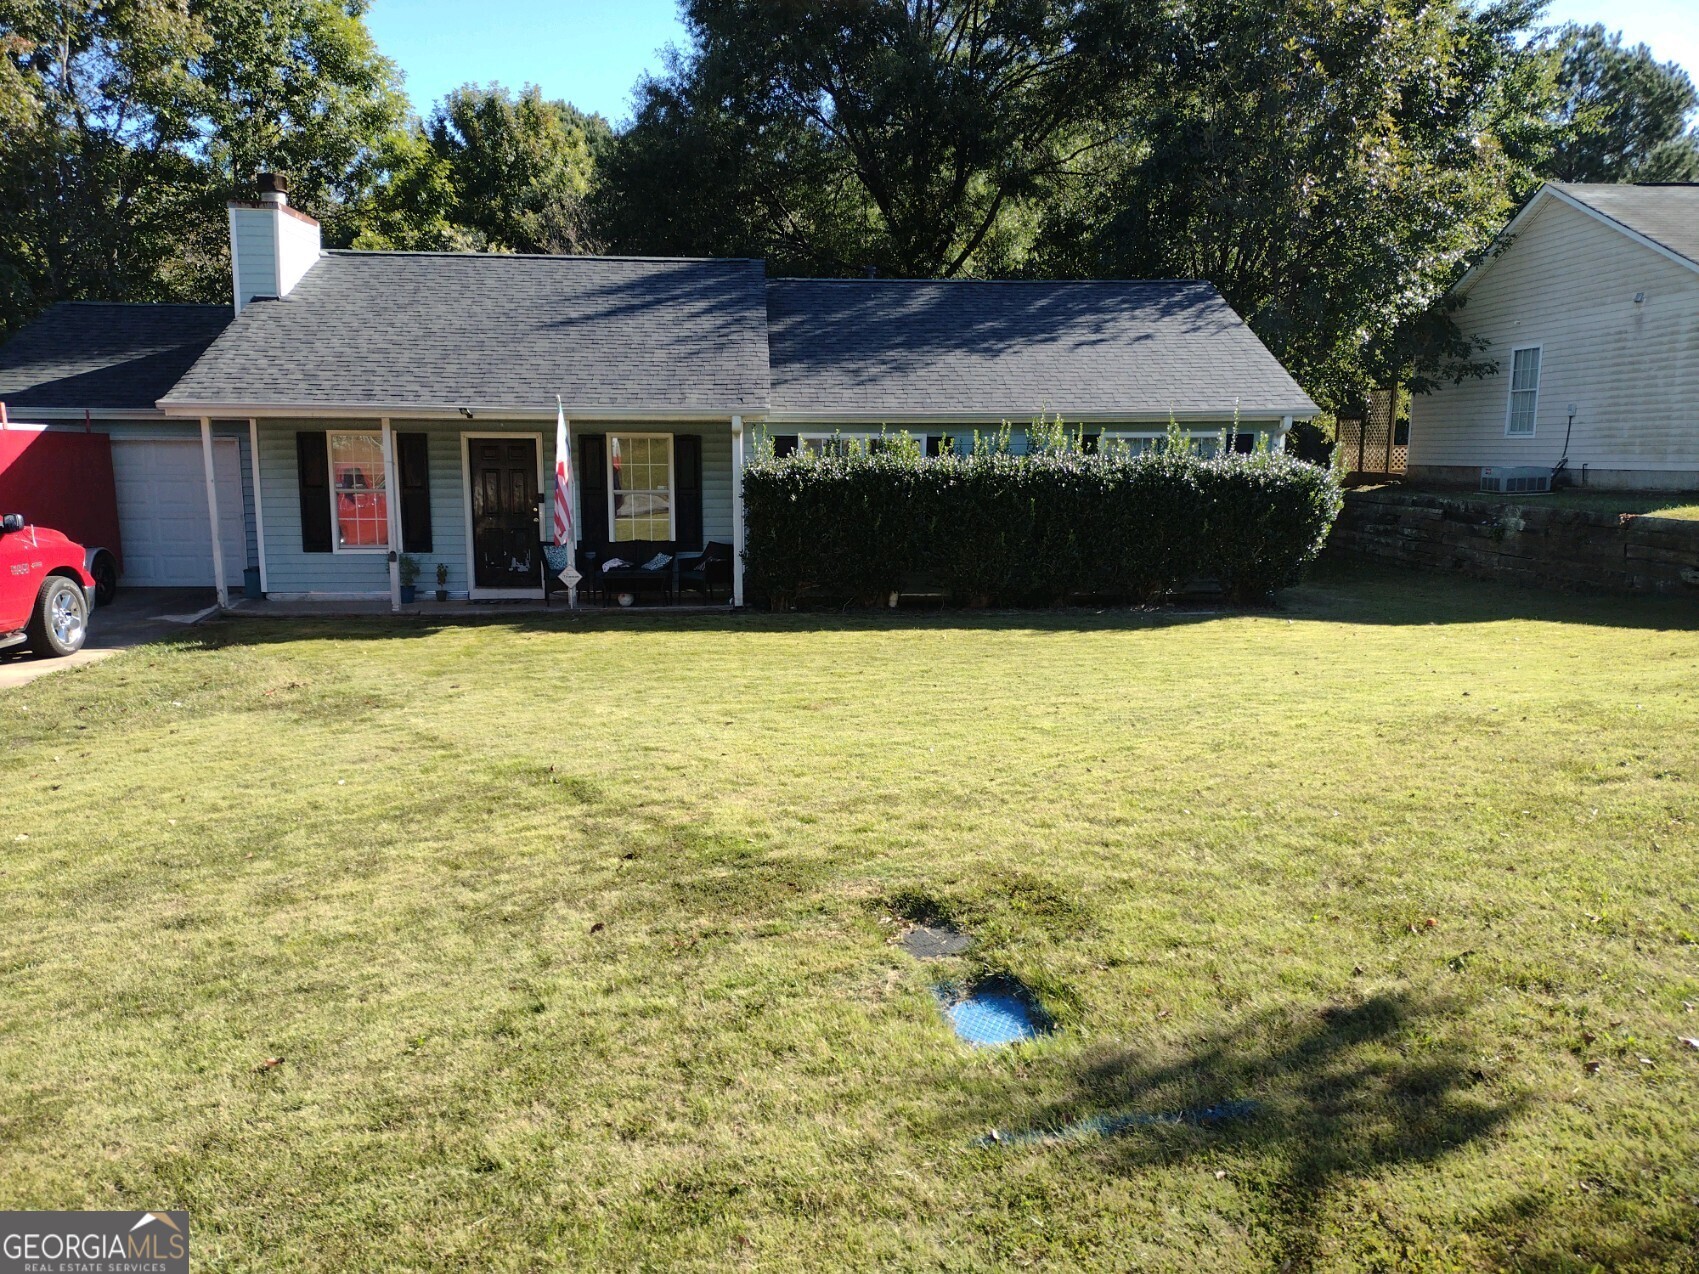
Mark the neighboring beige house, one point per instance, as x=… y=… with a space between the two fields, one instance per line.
x=1589 y=300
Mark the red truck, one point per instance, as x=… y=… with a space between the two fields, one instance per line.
x=62 y=478
x=45 y=591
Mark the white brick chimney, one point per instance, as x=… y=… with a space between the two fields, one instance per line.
x=271 y=244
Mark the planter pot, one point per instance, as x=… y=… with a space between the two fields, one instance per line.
x=409 y=594
x=442 y=594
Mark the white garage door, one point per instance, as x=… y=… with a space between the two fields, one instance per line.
x=162 y=512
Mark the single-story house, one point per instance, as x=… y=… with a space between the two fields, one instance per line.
x=1589 y=304
x=359 y=404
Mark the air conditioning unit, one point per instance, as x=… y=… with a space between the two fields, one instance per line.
x=1525 y=480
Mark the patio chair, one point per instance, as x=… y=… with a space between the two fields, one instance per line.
x=706 y=571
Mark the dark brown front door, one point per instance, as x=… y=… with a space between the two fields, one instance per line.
x=505 y=534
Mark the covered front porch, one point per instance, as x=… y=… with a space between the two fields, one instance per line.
x=353 y=514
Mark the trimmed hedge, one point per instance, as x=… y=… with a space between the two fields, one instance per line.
x=856 y=525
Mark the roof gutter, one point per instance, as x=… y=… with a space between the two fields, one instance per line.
x=1303 y=411
x=440 y=411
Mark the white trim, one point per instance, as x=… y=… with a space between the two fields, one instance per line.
x=672 y=483
x=495 y=414
x=218 y=581
x=75 y=415
x=739 y=532
x=259 y=515
x=391 y=498
x=235 y=262
x=590 y=417
x=365 y=550
x=1511 y=392
x=473 y=592
x=896 y=421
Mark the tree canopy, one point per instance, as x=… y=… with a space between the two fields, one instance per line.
x=1331 y=165
x=1618 y=114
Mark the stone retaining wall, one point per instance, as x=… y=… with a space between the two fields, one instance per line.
x=1535 y=544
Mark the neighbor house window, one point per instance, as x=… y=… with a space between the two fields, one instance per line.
x=1524 y=391
x=640 y=481
x=839 y=444
x=357 y=486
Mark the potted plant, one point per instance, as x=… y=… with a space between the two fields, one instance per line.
x=408 y=570
x=442 y=581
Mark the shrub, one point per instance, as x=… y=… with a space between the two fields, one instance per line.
x=854 y=525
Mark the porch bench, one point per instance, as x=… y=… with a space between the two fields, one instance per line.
x=635 y=578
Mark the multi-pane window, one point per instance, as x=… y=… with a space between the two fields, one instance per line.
x=1524 y=391
x=358 y=490
x=640 y=473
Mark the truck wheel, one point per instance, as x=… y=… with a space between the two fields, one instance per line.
x=59 y=624
x=104 y=568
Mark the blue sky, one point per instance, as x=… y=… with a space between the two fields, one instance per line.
x=591 y=52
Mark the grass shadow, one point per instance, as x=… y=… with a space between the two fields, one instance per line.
x=1336 y=1094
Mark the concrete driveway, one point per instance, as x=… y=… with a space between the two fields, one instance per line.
x=135 y=616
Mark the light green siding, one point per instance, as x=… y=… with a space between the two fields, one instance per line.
x=291 y=571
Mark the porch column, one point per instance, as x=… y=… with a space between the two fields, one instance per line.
x=259 y=509
x=1280 y=438
x=737 y=511
x=212 y=514
x=391 y=522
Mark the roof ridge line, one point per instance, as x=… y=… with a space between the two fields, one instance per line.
x=533 y=256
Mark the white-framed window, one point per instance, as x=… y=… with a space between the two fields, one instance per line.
x=1524 y=392
x=1138 y=442
x=358 y=492
x=640 y=487
x=839 y=443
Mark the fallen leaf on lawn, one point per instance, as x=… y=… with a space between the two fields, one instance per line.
x=270 y=1063
x=1221 y=1175
x=1593 y=1068
x=597 y=927
x=1429 y=923
x=1587 y=1037
x=1646 y=1061
x=1689 y=1041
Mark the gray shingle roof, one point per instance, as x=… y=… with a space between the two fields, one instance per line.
x=1667 y=215
x=893 y=347
x=400 y=329
x=103 y=355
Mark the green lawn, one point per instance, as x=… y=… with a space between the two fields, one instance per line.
x=573 y=937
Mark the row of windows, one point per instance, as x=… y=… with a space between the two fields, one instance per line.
x=640 y=482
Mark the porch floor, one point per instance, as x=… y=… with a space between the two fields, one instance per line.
x=309 y=608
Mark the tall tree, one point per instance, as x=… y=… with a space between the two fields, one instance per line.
x=1618 y=113
x=906 y=134
x=132 y=123
x=1328 y=164
x=489 y=171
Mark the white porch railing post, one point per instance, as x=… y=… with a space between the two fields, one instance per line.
x=259 y=507
x=737 y=511
x=218 y=581
x=390 y=492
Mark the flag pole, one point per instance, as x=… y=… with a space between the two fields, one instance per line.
x=566 y=531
